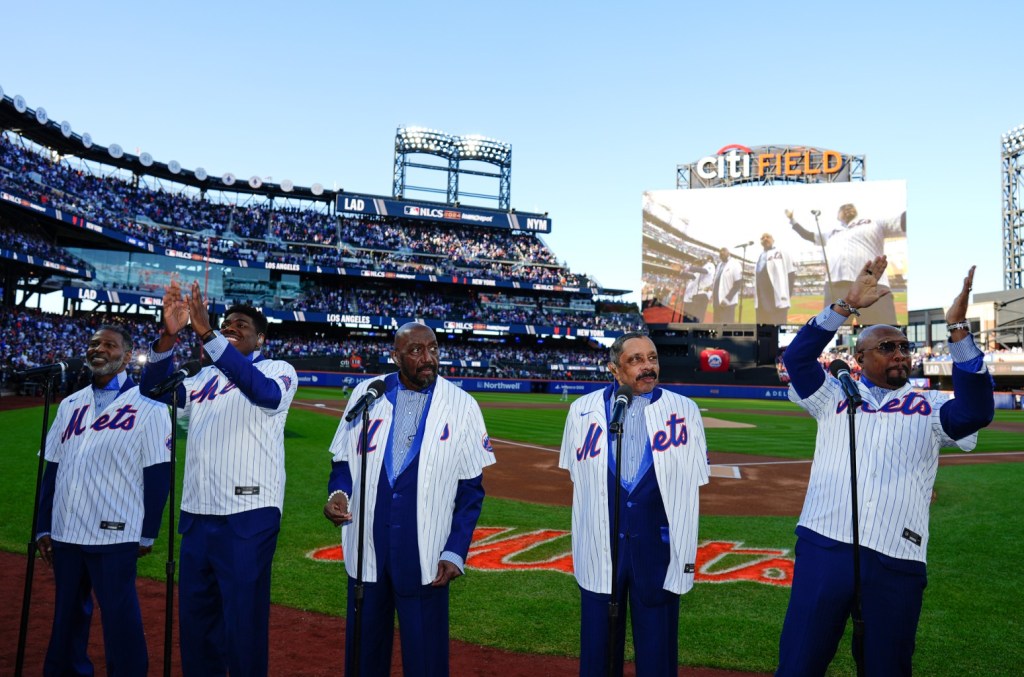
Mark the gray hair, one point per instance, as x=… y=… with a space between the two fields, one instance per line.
x=615 y=352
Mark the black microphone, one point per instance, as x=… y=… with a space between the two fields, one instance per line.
x=372 y=394
x=841 y=370
x=744 y=244
x=190 y=368
x=623 y=396
x=816 y=212
x=73 y=364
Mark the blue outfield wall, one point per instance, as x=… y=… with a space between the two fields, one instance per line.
x=332 y=379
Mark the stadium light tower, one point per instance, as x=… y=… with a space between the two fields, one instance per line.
x=455 y=150
x=1013 y=214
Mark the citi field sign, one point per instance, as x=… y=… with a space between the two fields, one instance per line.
x=736 y=161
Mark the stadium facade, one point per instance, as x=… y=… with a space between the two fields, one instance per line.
x=337 y=272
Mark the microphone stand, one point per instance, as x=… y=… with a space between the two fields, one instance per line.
x=357 y=629
x=614 y=659
x=857 y=614
x=169 y=612
x=828 y=271
x=30 y=564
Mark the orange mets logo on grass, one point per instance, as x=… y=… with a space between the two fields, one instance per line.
x=506 y=549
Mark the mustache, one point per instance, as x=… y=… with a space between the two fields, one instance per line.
x=648 y=374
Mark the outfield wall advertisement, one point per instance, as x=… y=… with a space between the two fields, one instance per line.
x=770 y=254
x=334 y=379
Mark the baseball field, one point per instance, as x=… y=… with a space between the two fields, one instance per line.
x=519 y=595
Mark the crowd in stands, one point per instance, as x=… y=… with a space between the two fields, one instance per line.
x=30 y=338
x=489 y=308
x=261 y=232
x=495 y=360
x=35 y=245
x=386 y=302
x=1015 y=354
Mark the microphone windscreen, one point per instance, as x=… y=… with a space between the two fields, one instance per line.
x=377 y=388
x=837 y=366
x=192 y=367
x=74 y=365
x=624 y=391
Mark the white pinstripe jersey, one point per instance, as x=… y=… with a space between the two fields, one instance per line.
x=455 y=447
x=898 y=442
x=849 y=248
x=234 y=457
x=680 y=470
x=732 y=272
x=99 y=497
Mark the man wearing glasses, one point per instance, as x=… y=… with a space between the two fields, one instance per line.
x=899 y=433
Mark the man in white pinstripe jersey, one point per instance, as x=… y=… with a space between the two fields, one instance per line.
x=233 y=490
x=427 y=448
x=847 y=246
x=899 y=433
x=664 y=462
x=103 y=494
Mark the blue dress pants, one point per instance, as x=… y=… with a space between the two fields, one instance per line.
x=224 y=598
x=109 y=571
x=822 y=599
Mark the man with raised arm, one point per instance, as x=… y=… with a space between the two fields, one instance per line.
x=899 y=432
x=233 y=491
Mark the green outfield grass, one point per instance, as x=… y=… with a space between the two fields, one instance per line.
x=971 y=623
x=802 y=308
x=805 y=307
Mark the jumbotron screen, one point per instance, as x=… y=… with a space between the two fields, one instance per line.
x=772 y=254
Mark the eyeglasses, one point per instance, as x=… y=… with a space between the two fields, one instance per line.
x=889 y=347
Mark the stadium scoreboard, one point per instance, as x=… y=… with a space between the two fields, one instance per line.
x=373 y=205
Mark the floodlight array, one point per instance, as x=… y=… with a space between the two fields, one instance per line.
x=476 y=147
x=1013 y=140
x=422 y=140
x=436 y=142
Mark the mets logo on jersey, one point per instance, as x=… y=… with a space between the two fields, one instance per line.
x=371 y=434
x=287 y=381
x=123 y=419
x=211 y=390
x=909 y=405
x=591 y=444
x=485 y=441
x=676 y=435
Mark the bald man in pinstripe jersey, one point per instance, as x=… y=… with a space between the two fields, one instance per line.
x=899 y=432
x=427 y=447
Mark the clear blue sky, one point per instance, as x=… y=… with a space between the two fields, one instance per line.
x=599 y=100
